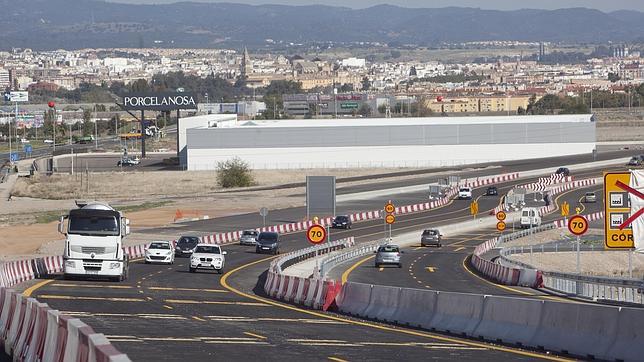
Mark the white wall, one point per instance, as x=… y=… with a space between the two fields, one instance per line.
x=209 y=120
x=391 y=156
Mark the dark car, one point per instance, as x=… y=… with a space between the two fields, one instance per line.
x=563 y=171
x=492 y=191
x=268 y=242
x=431 y=237
x=186 y=245
x=341 y=222
x=126 y=161
x=635 y=161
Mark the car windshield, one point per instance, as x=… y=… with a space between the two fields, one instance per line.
x=207 y=249
x=465 y=189
x=94 y=225
x=164 y=246
x=267 y=238
x=590 y=194
x=249 y=233
x=388 y=249
x=188 y=240
x=341 y=218
x=429 y=232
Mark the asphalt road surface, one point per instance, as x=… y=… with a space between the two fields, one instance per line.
x=166 y=312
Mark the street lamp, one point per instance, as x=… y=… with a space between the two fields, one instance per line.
x=52 y=106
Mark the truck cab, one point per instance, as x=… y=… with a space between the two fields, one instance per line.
x=530 y=217
x=94 y=242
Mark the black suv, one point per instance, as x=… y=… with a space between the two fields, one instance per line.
x=563 y=171
x=492 y=191
x=186 y=245
x=268 y=242
x=341 y=222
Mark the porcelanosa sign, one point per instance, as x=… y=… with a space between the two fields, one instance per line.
x=159 y=101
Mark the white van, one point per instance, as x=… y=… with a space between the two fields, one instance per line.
x=530 y=217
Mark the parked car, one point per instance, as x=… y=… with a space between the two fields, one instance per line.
x=388 y=255
x=563 y=171
x=431 y=237
x=159 y=252
x=635 y=161
x=186 y=245
x=48 y=142
x=492 y=191
x=465 y=193
x=127 y=161
x=590 y=197
x=530 y=218
x=208 y=256
x=341 y=222
x=268 y=242
x=248 y=237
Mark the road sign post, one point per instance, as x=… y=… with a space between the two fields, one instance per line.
x=578 y=225
x=389 y=217
x=263 y=212
x=617 y=210
x=316 y=234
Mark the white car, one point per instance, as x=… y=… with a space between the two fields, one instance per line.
x=159 y=252
x=208 y=256
x=530 y=218
x=48 y=142
x=465 y=193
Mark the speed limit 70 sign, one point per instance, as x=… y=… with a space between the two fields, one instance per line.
x=578 y=225
x=316 y=234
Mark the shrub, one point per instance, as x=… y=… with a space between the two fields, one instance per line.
x=234 y=173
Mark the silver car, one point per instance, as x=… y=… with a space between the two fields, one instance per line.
x=590 y=197
x=388 y=255
x=431 y=237
x=248 y=237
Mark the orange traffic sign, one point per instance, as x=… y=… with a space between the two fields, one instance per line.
x=316 y=234
x=578 y=225
x=617 y=210
x=390 y=219
x=501 y=215
x=500 y=226
x=390 y=208
x=474 y=207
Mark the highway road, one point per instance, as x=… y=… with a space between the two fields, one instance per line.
x=166 y=311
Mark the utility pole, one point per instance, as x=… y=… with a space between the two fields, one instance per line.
x=95 y=128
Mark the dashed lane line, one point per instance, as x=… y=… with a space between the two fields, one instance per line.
x=185 y=301
x=105 y=299
x=336 y=359
x=188 y=290
x=255 y=335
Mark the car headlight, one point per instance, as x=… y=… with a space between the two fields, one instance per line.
x=169 y=252
x=70 y=264
x=115 y=265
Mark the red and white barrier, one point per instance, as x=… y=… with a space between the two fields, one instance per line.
x=478 y=182
x=499 y=273
x=563 y=223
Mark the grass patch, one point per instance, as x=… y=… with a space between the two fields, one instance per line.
x=48 y=216
x=143 y=206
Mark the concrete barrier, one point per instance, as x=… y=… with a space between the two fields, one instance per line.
x=354 y=298
x=458 y=313
x=383 y=303
x=579 y=329
x=416 y=307
x=628 y=344
x=509 y=320
x=51 y=336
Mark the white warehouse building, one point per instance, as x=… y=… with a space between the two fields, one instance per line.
x=381 y=142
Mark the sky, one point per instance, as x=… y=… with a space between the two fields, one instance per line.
x=603 y=5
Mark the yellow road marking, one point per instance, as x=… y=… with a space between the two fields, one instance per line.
x=224 y=283
x=459 y=248
x=255 y=335
x=198 y=319
x=30 y=290
x=336 y=359
x=419 y=247
x=182 y=301
x=167 y=307
x=189 y=289
x=74 y=297
x=92 y=286
x=235 y=342
x=431 y=269
x=345 y=275
x=381 y=269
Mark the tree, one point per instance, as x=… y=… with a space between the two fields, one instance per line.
x=234 y=173
x=422 y=108
x=613 y=77
x=345 y=88
x=139 y=85
x=521 y=111
x=365 y=110
x=382 y=109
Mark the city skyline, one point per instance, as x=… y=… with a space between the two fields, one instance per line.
x=488 y=4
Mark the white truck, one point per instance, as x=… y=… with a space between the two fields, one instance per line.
x=94 y=242
x=530 y=217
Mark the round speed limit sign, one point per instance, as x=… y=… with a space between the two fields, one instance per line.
x=316 y=234
x=578 y=225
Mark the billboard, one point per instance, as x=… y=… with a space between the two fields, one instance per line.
x=19 y=96
x=159 y=101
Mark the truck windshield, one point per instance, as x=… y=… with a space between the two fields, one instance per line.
x=103 y=225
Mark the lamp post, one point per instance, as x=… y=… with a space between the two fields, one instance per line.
x=52 y=106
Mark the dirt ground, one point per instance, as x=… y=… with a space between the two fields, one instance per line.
x=597 y=263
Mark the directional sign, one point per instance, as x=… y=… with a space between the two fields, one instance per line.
x=316 y=234
x=263 y=212
x=13 y=157
x=474 y=208
x=28 y=148
x=578 y=225
x=501 y=215
x=390 y=219
x=390 y=208
x=565 y=208
x=501 y=225
x=617 y=210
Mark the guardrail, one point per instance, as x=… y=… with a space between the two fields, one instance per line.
x=331 y=262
